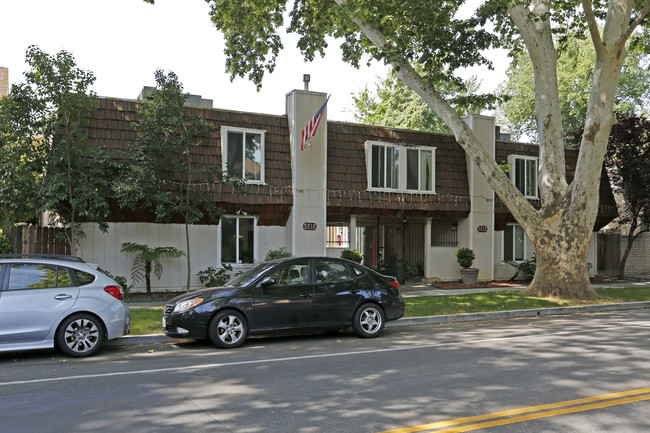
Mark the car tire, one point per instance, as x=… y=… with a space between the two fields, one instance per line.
x=80 y=335
x=228 y=329
x=368 y=321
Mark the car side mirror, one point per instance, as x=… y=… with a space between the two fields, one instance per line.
x=266 y=283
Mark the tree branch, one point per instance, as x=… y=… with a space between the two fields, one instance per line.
x=593 y=25
x=637 y=20
x=520 y=207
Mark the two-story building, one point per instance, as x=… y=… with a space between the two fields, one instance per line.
x=405 y=199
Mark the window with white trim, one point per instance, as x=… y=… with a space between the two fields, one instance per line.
x=243 y=153
x=514 y=243
x=238 y=239
x=523 y=173
x=393 y=167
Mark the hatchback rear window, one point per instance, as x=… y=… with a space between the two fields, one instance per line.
x=82 y=277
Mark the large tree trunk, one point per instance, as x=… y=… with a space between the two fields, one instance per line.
x=562 y=270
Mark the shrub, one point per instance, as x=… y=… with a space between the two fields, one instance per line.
x=280 y=253
x=213 y=277
x=352 y=255
x=5 y=245
x=465 y=257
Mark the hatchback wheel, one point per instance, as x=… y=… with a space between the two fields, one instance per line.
x=80 y=335
x=368 y=321
x=228 y=329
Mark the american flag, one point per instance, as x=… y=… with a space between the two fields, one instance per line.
x=310 y=129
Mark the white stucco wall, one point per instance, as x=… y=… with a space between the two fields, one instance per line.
x=104 y=249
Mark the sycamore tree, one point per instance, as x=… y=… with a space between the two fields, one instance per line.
x=427 y=33
x=628 y=165
x=46 y=162
x=575 y=71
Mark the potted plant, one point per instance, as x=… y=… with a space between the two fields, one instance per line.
x=465 y=257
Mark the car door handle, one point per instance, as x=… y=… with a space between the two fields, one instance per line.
x=306 y=296
x=62 y=297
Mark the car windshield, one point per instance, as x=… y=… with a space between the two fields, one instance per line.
x=250 y=275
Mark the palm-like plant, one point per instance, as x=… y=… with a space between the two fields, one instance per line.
x=148 y=260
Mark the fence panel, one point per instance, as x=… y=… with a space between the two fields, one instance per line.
x=31 y=239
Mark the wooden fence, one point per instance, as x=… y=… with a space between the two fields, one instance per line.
x=30 y=239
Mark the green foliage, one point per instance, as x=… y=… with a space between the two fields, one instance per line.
x=148 y=261
x=526 y=267
x=46 y=163
x=396 y=105
x=5 y=245
x=213 y=277
x=352 y=255
x=280 y=253
x=575 y=74
x=465 y=257
x=431 y=36
x=161 y=172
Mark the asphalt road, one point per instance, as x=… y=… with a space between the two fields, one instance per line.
x=579 y=373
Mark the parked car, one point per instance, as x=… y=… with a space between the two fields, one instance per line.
x=48 y=301
x=287 y=295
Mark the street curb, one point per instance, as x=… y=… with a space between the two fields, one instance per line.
x=496 y=315
x=132 y=340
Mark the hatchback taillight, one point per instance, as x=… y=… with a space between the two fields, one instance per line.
x=114 y=291
x=395 y=283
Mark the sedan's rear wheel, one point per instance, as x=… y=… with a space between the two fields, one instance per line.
x=368 y=321
x=228 y=329
x=80 y=335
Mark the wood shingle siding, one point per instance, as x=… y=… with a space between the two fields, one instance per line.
x=347 y=177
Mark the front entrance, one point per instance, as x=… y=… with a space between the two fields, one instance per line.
x=392 y=245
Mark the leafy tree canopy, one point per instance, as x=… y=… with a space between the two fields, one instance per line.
x=46 y=162
x=575 y=69
x=396 y=105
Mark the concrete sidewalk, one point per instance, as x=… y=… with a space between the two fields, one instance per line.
x=413 y=290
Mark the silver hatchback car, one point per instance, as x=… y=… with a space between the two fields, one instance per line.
x=62 y=301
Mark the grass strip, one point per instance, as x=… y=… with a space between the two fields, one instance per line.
x=148 y=320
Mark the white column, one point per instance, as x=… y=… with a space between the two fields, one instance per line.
x=481 y=217
x=307 y=228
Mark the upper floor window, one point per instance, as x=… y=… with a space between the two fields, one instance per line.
x=523 y=172
x=395 y=167
x=243 y=153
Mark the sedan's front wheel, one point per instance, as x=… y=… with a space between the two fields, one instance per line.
x=80 y=335
x=228 y=329
x=368 y=321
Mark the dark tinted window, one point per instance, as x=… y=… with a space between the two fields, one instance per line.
x=293 y=273
x=331 y=271
x=358 y=271
x=82 y=277
x=63 y=278
x=31 y=276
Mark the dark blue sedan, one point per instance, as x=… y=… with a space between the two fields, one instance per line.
x=287 y=295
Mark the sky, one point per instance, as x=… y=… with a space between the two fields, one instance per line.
x=123 y=42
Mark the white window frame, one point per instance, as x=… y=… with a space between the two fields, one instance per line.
x=224 y=151
x=513 y=173
x=238 y=262
x=515 y=226
x=402 y=167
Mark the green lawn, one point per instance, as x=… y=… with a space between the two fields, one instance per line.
x=148 y=320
